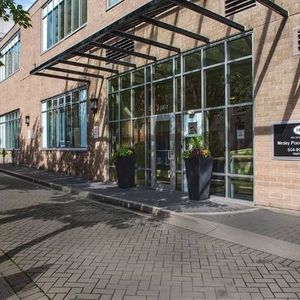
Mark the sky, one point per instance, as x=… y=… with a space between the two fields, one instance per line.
x=26 y=3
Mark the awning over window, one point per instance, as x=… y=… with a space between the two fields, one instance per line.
x=149 y=14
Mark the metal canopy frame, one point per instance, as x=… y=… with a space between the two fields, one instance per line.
x=122 y=50
x=148 y=14
x=174 y=29
x=275 y=7
x=87 y=66
x=145 y=41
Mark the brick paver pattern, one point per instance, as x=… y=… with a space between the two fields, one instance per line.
x=59 y=246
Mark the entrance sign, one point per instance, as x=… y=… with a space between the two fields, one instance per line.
x=286 y=141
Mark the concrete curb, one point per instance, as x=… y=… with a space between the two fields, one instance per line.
x=242 y=237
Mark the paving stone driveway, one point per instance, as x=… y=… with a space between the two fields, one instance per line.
x=60 y=247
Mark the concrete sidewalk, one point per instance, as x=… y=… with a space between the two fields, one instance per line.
x=6 y=292
x=235 y=221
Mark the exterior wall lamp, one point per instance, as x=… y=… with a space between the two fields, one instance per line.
x=27 y=120
x=94 y=105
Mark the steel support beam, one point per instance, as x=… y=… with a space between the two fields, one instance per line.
x=208 y=13
x=108 y=60
x=174 y=29
x=145 y=41
x=121 y=50
x=88 y=66
x=74 y=72
x=61 y=77
x=275 y=7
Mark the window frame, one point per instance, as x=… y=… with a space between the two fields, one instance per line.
x=9 y=49
x=108 y=6
x=65 y=105
x=49 y=8
x=17 y=120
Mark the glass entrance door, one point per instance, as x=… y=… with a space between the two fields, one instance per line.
x=163 y=161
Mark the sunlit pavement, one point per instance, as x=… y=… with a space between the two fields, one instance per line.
x=60 y=246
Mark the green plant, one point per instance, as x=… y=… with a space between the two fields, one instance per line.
x=4 y=152
x=125 y=150
x=195 y=147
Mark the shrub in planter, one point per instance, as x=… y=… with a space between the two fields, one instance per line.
x=198 y=164
x=124 y=159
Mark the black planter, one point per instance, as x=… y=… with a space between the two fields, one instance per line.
x=199 y=172
x=126 y=171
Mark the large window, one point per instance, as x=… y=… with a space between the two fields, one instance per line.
x=10 y=58
x=65 y=120
x=210 y=92
x=9 y=130
x=61 y=18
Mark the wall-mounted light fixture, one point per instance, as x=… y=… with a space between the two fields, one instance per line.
x=27 y=120
x=94 y=105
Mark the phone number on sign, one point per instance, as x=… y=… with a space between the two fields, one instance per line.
x=294 y=150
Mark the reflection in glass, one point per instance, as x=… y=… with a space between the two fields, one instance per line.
x=192 y=89
x=177 y=65
x=240 y=47
x=163 y=97
x=217 y=186
x=114 y=137
x=178 y=181
x=240 y=140
x=125 y=81
x=241 y=188
x=148 y=74
x=162 y=135
x=214 y=55
x=163 y=70
x=139 y=142
x=178 y=138
x=178 y=93
x=148 y=100
x=138 y=104
x=215 y=87
x=241 y=82
x=148 y=150
x=192 y=61
x=113 y=85
x=125 y=133
x=112 y=174
x=140 y=177
x=215 y=133
x=125 y=102
x=113 y=107
x=138 y=77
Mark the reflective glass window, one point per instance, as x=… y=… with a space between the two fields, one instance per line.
x=240 y=47
x=125 y=103
x=192 y=91
x=240 y=74
x=215 y=134
x=192 y=61
x=138 y=105
x=214 y=55
x=240 y=140
x=164 y=97
x=215 y=87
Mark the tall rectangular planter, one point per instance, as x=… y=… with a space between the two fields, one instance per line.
x=199 y=173
x=125 y=167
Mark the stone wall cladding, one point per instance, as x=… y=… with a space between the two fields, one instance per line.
x=276 y=87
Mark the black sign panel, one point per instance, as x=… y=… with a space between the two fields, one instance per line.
x=287 y=140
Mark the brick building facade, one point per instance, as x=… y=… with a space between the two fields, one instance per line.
x=228 y=83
